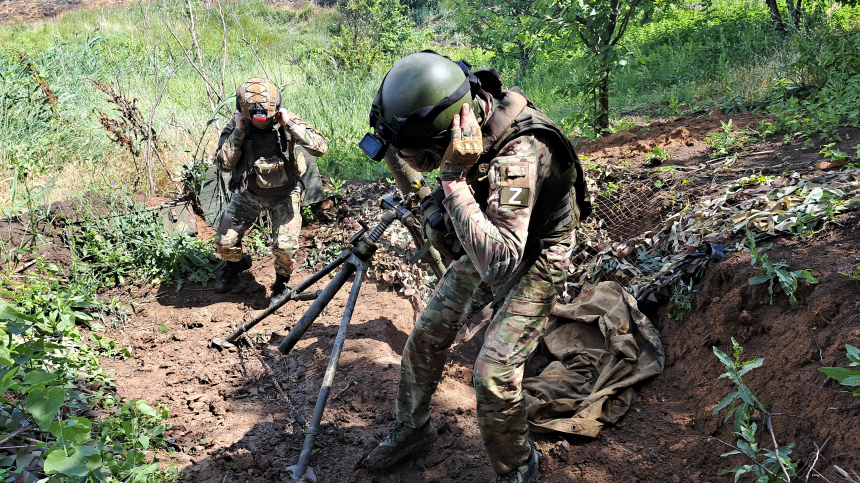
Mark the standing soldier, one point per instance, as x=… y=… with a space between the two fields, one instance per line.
x=513 y=192
x=257 y=147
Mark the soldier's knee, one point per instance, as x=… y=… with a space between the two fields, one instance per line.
x=490 y=376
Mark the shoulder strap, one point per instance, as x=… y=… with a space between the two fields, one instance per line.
x=511 y=105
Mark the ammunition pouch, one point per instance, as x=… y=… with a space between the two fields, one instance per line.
x=271 y=172
x=301 y=164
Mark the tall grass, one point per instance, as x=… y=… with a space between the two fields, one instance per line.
x=687 y=54
x=134 y=47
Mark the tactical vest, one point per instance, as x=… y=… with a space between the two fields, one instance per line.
x=563 y=196
x=267 y=143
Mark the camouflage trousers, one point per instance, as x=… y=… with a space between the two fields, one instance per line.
x=243 y=211
x=511 y=336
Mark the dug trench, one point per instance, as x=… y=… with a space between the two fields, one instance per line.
x=240 y=414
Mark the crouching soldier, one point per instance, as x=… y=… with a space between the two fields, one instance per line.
x=257 y=147
x=513 y=190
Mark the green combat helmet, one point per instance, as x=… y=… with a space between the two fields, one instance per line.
x=417 y=101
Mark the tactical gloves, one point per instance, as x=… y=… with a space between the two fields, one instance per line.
x=465 y=148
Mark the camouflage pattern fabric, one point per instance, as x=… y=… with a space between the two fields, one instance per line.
x=511 y=336
x=257 y=90
x=238 y=149
x=236 y=154
x=230 y=143
x=494 y=240
x=241 y=213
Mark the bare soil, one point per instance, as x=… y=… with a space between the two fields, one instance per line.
x=232 y=424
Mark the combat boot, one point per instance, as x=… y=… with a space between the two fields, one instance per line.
x=526 y=473
x=400 y=442
x=228 y=276
x=280 y=289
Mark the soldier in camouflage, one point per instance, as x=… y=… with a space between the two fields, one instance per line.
x=257 y=146
x=508 y=196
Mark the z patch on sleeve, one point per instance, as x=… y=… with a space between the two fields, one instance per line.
x=514 y=196
x=515 y=185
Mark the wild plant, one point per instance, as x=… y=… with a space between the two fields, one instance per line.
x=53 y=377
x=657 y=156
x=132 y=244
x=767 y=465
x=847 y=377
x=778 y=272
x=727 y=139
x=682 y=299
x=854 y=275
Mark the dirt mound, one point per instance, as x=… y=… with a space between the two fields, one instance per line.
x=232 y=423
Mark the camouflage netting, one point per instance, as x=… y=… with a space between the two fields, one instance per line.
x=648 y=230
x=650 y=227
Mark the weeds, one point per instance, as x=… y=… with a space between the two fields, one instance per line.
x=53 y=377
x=611 y=189
x=767 y=465
x=132 y=245
x=726 y=140
x=846 y=377
x=334 y=190
x=775 y=272
x=682 y=299
x=852 y=276
x=657 y=156
x=835 y=155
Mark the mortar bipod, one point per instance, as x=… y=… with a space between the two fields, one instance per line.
x=354 y=261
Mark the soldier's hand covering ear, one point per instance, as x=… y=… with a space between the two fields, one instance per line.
x=240 y=120
x=292 y=122
x=465 y=148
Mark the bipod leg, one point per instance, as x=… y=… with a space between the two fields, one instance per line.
x=297 y=293
x=316 y=308
x=298 y=470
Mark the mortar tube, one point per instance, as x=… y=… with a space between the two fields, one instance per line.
x=405 y=176
x=316 y=308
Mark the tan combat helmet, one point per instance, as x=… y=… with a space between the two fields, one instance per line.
x=258 y=99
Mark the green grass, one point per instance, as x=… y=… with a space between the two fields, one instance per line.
x=726 y=55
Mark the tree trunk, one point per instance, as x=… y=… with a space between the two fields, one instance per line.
x=603 y=102
x=795 y=12
x=776 y=17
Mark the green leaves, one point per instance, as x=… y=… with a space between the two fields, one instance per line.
x=846 y=377
x=741 y=405
x=79 y=461
x=775 y=272
x=43 y=404
x=72 y=430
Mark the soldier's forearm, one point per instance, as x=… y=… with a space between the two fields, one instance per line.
x=315 y=143
x=230 y=150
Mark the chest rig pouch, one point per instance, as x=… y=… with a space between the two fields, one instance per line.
x=271 y=172
x=276 y=169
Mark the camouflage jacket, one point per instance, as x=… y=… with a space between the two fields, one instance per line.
x=494 y=232
x=237 y=151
